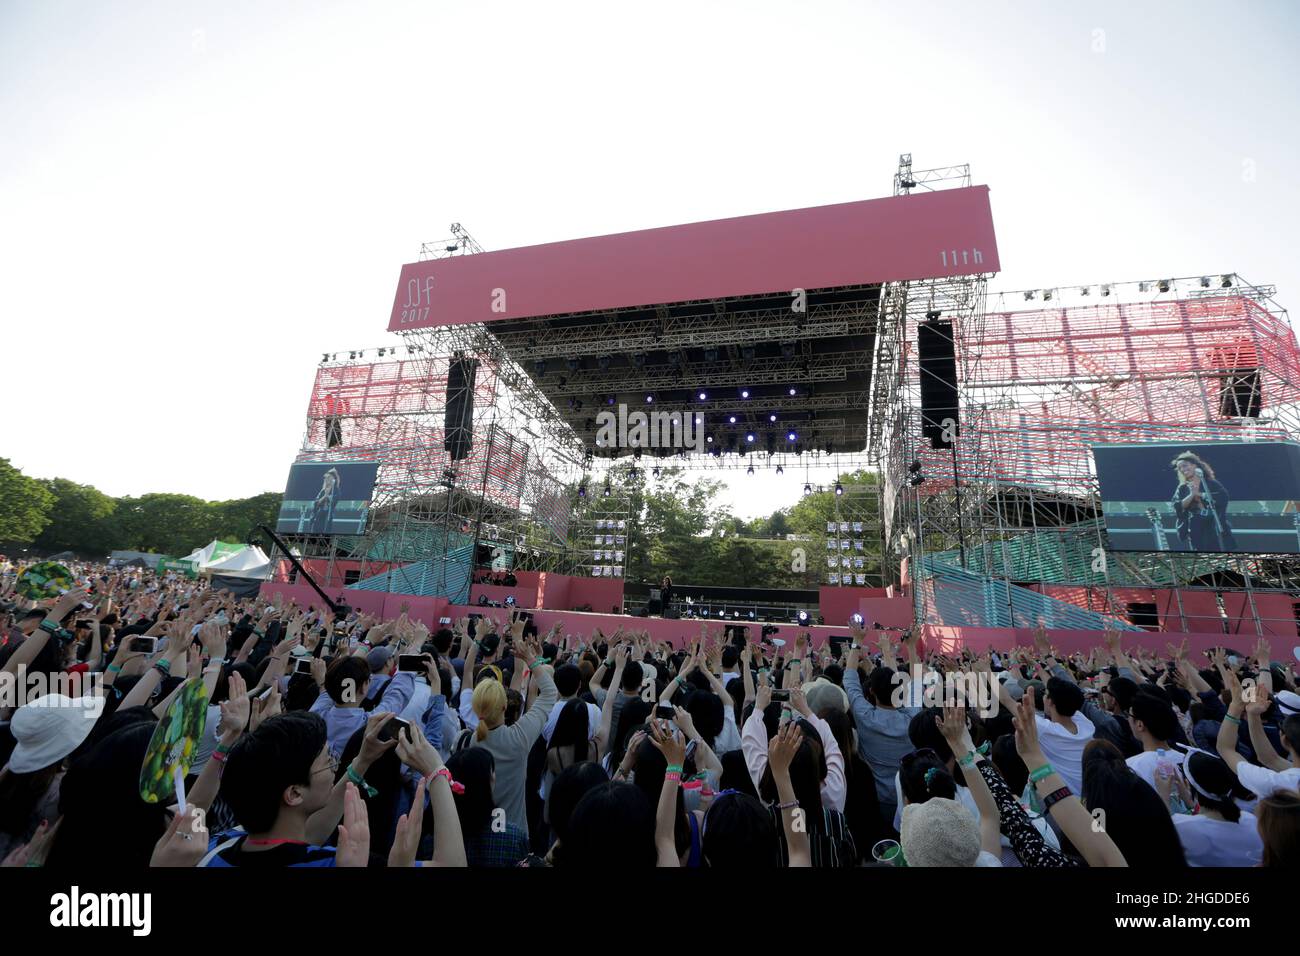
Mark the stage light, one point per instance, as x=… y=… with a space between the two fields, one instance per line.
x=649 y=399
x=1029 y=296
x=656 y=471
x=914 y=467
x=916 y=480
x=735 y=614
x=803 y=617
x=772 y=417
x=751 y=615
x=744 y=393
x=780 y=470
x=1047 y=295
x=699 y=419
x=1143 y=286
x=352 y=355
x=839 y=489
x=791 y=436
x=749 y=437
x=453 y=247
x=708 y=439
x=1105 y=290
x=807 y=489
x=1225 y=282
x=606 y=487
x=1205 y=282
x=1084 y=290
x=1163 y=285
x=749 y=470
x=932 y=315
x=611 y=399
x=582 y=491
x=793 y=390
x=704 y=396
x=731 y=419
x=325 y=357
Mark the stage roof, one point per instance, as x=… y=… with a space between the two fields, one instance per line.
x=780 y=305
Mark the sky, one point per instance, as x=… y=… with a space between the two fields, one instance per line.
x=197 y=200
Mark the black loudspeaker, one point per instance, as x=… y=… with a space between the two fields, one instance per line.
x=938 y=363
x=1239 y=394
x=459 y=424
x=654 y=606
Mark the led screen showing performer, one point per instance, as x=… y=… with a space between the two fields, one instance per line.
x=1212 y=497
x=327 y=497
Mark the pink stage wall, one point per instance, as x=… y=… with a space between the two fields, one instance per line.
x=925 y=235
x=1069 y=642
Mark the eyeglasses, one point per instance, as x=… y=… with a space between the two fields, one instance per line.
x=332 y=766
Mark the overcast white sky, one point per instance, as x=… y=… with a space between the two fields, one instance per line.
x=198 y=199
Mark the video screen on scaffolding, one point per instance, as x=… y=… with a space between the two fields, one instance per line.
x=1211 y=497
x=327 y=497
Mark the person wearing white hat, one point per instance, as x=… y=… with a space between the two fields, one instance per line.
x=48 y=730
x=1277 y=772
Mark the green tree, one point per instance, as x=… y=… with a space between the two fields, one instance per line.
x=165 y=523
x=236 y=519
x=79 y=519
x=24 y=505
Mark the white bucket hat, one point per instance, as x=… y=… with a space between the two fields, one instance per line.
x=50 y=728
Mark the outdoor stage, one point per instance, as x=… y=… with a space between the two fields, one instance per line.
x=851 y=338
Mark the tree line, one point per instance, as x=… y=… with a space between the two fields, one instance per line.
x=56 y=514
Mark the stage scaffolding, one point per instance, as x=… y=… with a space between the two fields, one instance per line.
x=1009 y=517
x=507 y=504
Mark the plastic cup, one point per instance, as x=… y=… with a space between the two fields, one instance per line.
x=888 y=853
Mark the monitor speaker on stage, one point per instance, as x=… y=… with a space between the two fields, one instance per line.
x=459 y=423
x=938 y=365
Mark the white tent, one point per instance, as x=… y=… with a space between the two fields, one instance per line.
x=251 y=562
x=214 y=552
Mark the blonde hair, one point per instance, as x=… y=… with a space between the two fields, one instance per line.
x=489 y=703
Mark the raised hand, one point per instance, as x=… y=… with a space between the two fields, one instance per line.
x=354 y=831
x=406 y=839
x=781 y=749
x=667 y=742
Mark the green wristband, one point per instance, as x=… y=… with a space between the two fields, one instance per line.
x=360 y=781
x=1235 y=720
x=1044 y=771
x=674 y=768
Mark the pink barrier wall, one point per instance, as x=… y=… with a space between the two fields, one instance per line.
x=1069 y=642
x=679 y=632
x=601 y=593
x=427 y=610
x=837 y=604
x=524 y=596
x=553 y=591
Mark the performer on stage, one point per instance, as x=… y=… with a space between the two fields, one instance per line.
x=317 y=517
x=1201 y=505
x=666 y=593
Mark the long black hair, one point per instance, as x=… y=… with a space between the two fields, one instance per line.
x=1135 y=816
x=807 y=771
x=572 y=729
x=472 y=768
x=612 y=823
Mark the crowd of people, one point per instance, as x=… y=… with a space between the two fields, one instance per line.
x=345 y=740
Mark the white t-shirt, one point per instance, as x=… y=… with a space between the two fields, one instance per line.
x=1144 y=764
x=593 y=720
x=1064 y=750
x=1265 y=782
x=1210 y=842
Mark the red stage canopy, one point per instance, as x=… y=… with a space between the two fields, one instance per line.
x=919 y=236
